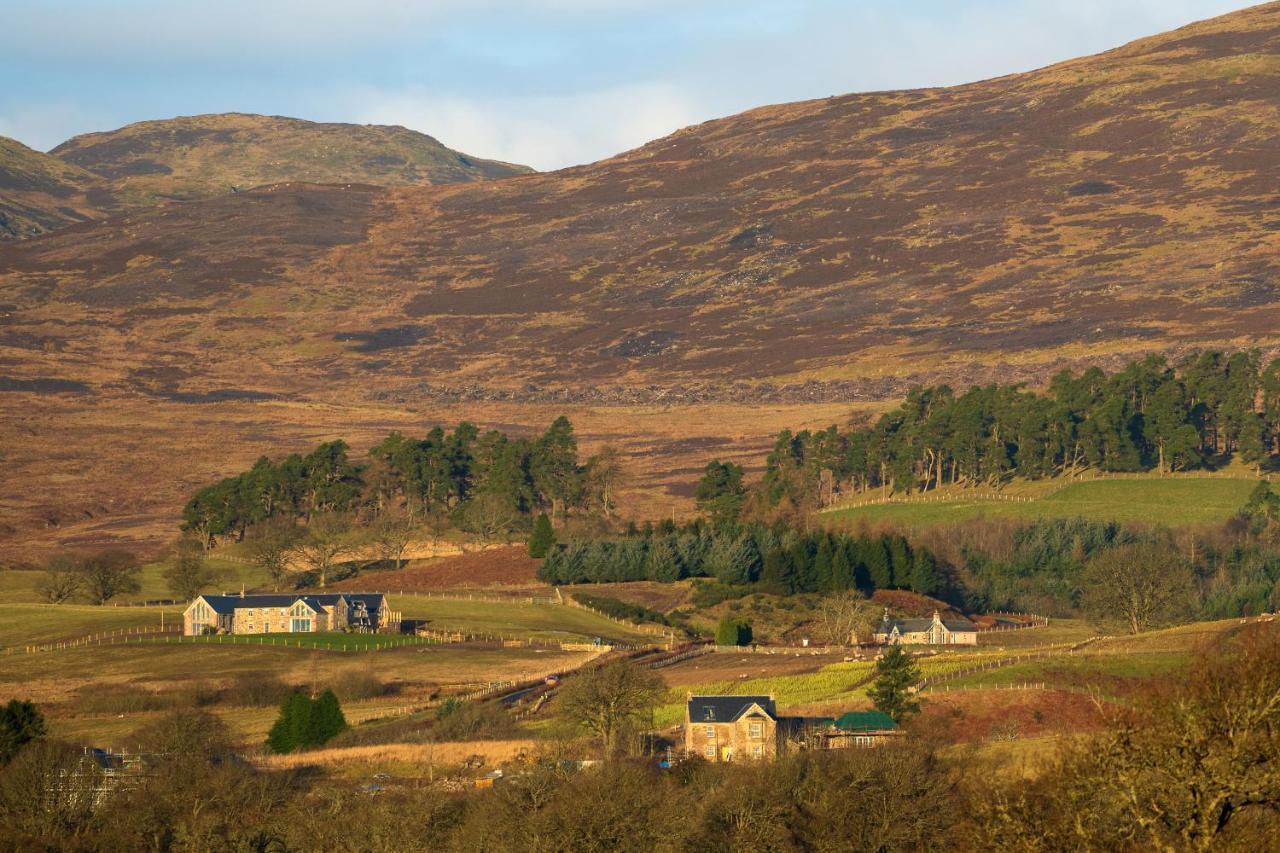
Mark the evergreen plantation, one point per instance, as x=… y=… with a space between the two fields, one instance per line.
x=489 y=483
x=774 y=559
x=1147 y=417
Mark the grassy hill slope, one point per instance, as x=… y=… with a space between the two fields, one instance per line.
x=39 y=192
x=1083 y=213
x=1172 y=501
x=198 y=156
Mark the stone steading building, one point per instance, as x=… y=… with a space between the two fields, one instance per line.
x=932 y=632
x=286 y=614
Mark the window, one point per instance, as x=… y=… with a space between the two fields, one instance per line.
x=710 y=751
x=711 y=732
x=757 y=751
x=757 y=730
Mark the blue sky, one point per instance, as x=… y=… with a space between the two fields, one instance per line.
x=549 y=83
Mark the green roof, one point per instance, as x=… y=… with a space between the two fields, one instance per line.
x=865 y=721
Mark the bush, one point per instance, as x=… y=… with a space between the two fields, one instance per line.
x=257 y=691
x=306 y=722
x=733 y=631
x=118 y=699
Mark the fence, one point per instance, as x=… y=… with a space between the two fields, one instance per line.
x=1026 y=620
x=696 y=651
x=471 y=596
x=642 y=627
x=120 y=635
x=785 y=650
x=1000 y=663
x=996 y=497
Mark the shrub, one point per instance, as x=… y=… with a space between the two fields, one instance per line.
x=733 y=631
x=20 y=723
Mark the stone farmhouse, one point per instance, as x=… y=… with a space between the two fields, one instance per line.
x=731 y=728
x=287 y=613
x=932 y=632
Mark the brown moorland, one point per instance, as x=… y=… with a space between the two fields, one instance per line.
x=796 y=258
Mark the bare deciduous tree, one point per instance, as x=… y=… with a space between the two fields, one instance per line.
x=62 y=579
x=1142 y=585
x=608 y=700
x=846 y=618
x=325 y=541
x=272 y=544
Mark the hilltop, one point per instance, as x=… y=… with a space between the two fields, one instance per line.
x=816 y=253
x=199 y=156
x=192 y=157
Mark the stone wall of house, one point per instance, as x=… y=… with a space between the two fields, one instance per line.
x=744 y=742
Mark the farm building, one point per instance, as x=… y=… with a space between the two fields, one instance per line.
x=284 y=614
x=933 y=632
x=730 y=728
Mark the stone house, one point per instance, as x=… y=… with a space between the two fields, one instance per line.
x=931 y=632
x=731 y=728
x=287 y=613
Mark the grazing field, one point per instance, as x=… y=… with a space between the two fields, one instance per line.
x=22 y=585
x=514 y=619
x=1057 y=631
x=33 y=624
x=1173 y=501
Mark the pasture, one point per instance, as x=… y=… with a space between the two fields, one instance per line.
x=1173 y=501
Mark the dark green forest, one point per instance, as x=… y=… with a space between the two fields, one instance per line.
x=774 y=559
x=489 y=483
x=1149 y=416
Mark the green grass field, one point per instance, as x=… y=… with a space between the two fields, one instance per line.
x=32 y=624
x=22 y=585
x=514 y=619
x=1173 y=501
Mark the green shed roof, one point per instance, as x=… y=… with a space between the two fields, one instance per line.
x=865 y=721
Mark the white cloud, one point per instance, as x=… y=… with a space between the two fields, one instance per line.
x=543 y=131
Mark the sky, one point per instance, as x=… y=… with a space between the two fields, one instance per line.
x=547 y=83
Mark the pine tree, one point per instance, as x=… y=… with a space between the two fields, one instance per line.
x=326 y=720
x=291 y=727
x=896 y=676
x=876 y=559
x=924 y=573
x=542 y=538
x=823 y=573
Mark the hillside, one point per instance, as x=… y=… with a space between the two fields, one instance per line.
x=39 y=192
x=181 y=159
x=814 y=253
x=198 y=156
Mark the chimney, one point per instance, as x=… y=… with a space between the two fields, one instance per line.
x=242 y=590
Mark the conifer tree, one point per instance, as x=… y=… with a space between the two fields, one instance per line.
x=326 y=720
x=896 y=677
x=542 y=538
x=291 y=727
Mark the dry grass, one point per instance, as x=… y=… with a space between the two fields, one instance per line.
x=493 y=752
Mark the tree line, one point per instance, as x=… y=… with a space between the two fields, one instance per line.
x=775 y=558
x=489 y=483
x=1147 y=417
x=1188 y=765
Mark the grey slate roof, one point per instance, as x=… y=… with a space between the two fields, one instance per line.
x=727 y=709
x=917 y=626
x=227 y=604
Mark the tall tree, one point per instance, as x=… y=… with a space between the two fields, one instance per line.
x=609 y=700
x=188 y=574
x=1143 y=585
x=893 y=691
x=110 y=573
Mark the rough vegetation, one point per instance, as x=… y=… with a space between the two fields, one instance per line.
x=1084 y=213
